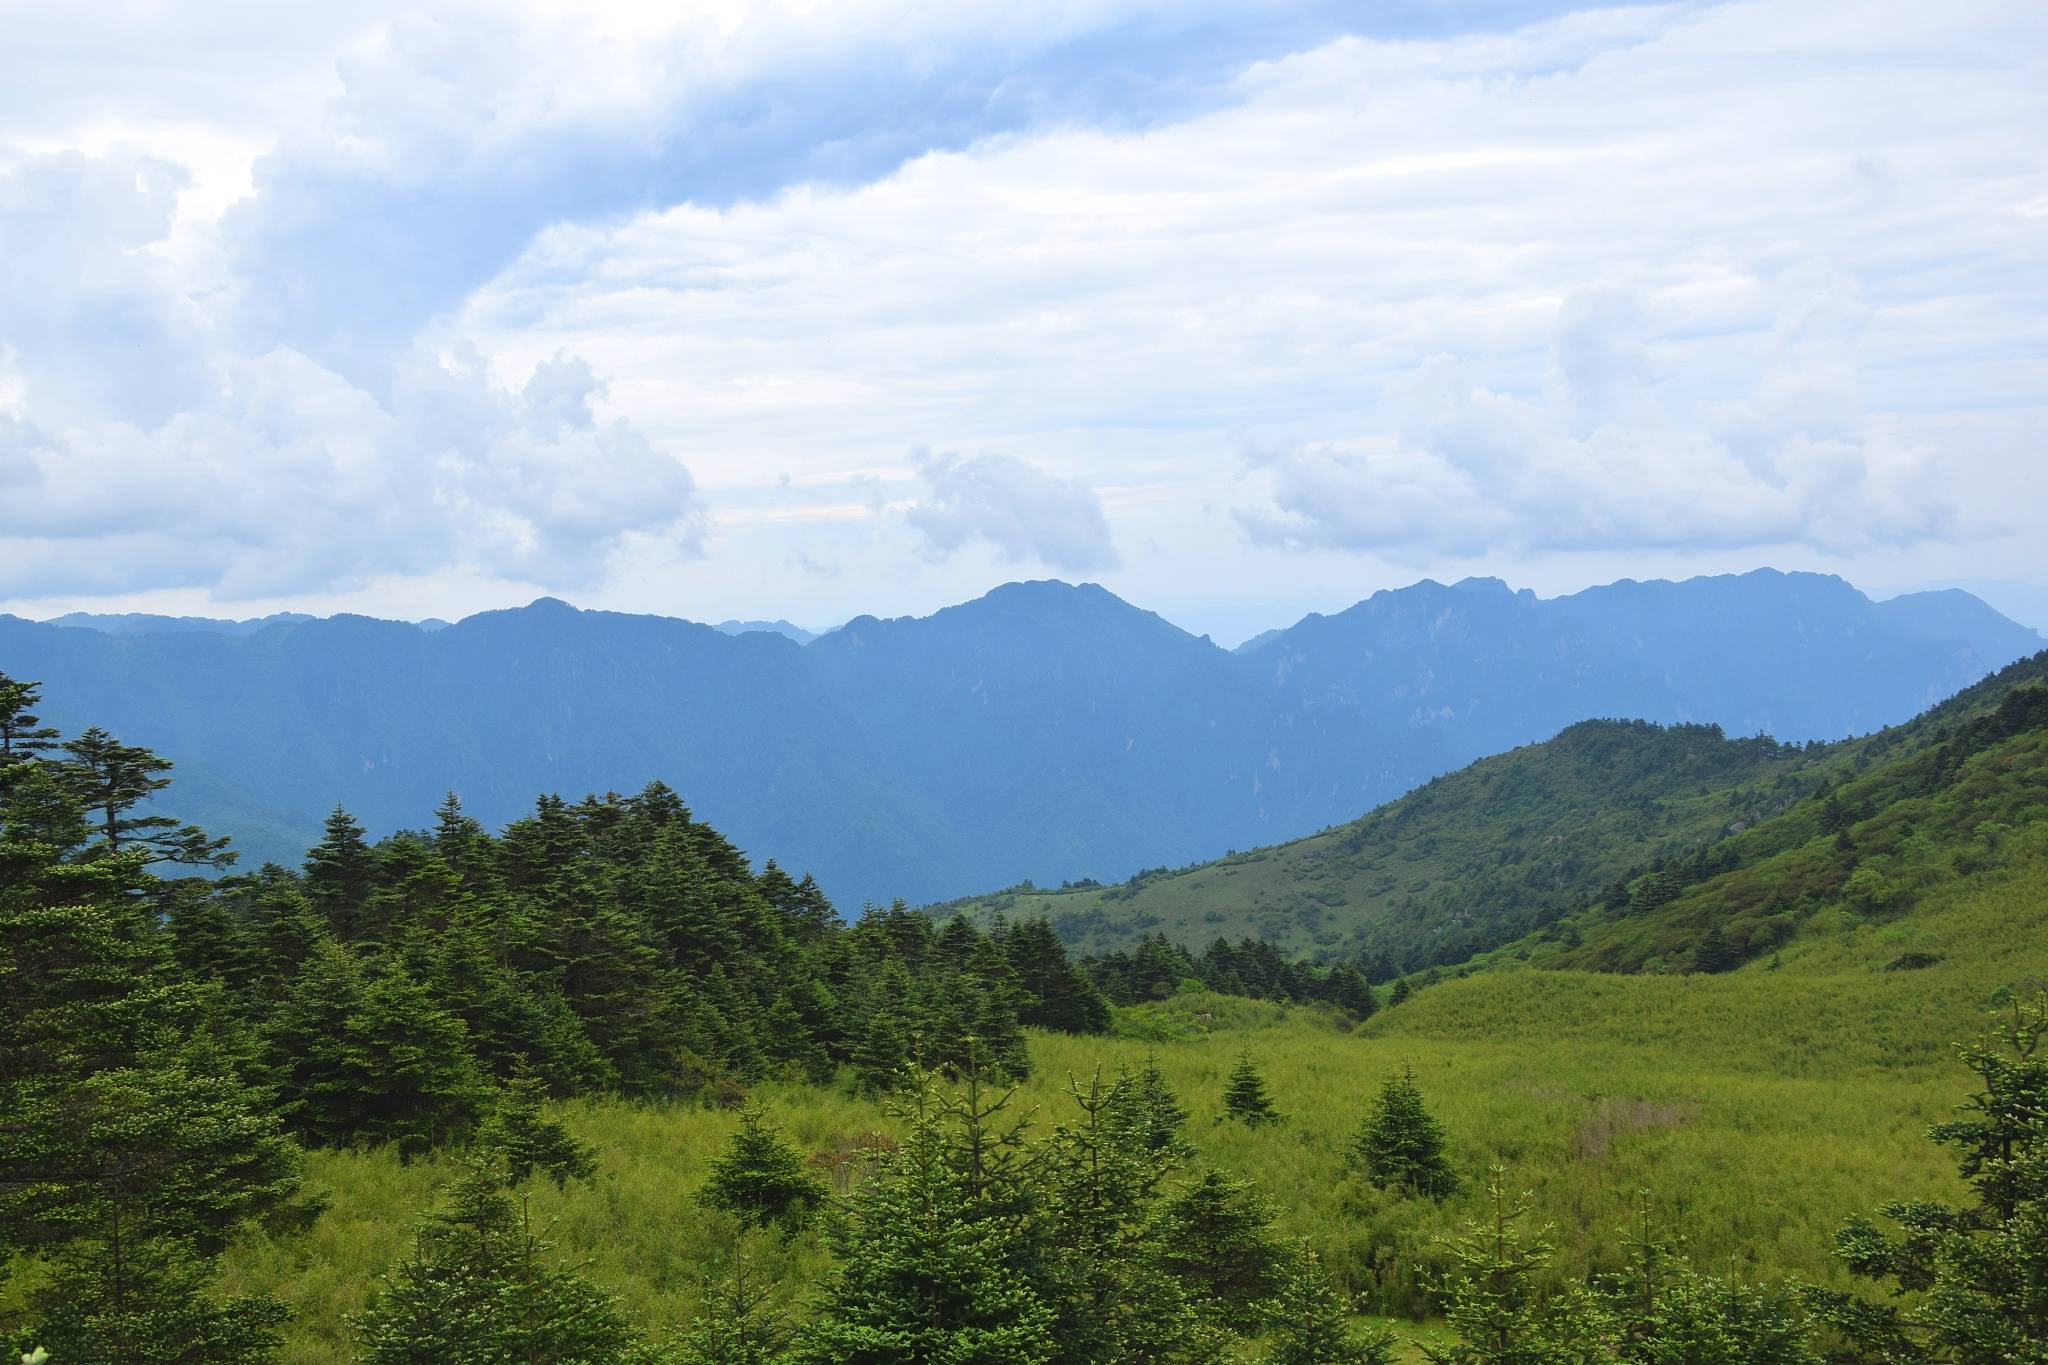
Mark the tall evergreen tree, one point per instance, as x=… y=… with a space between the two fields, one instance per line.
x=23 y=736
x=1216 y=1237
x=1310 y=1325
x=1494 y=1298
x=1244 y=1095
x=341 y=872
x=481 y=1289
x=924 y=1272
x=760 y=1180
x=522 y=1136
x=1399 y=1146
x=736 y=1326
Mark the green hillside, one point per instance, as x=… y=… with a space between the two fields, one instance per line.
x=1762 y=1106
x=1514 y=843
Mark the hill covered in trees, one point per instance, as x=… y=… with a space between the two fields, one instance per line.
x=1608 y=818
x=1043 y=731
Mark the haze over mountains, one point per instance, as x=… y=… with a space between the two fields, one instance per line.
x=1043 y=731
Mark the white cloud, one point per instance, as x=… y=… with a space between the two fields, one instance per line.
x=1026 y=513
x=1681 y=280
x=1656 y=280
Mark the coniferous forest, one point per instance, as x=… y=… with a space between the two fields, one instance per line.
x=598 y=1090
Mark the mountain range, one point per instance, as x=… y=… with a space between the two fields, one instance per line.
x=1045 y=730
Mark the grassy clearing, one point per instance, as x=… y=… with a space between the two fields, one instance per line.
x=1762 y=1106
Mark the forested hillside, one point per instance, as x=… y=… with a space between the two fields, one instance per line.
x=1043 y=731
x=1604 y=818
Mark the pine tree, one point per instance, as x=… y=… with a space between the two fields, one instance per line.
x=1215 y=1236
x=132 y=1149
x=1495 y=1303
x=1310 y=1325
x=760 y=1180
x=521 y=1135
x=1399 y=1146
x=341 y=872
x=735 y=1326
x=924 y=1271
x=1980 y=1269
x=111 y=779
x=1244 y=1095
x=116 y=1300
x=1103 y=1176
x=366 y=1056
x=1714 y=953
x=23 y=736
x=1402 y=990
x=1660 y=1310
x=479 y=1289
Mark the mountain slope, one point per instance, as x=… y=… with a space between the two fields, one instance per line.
x=1516 y=843
x=1044 y=730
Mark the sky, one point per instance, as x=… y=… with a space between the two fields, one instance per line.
x=804 y=310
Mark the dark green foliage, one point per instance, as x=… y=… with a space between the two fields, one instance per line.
x=1400 y=1146
x=365 y=1056
x=480 y=1289
x=926 y=1253
x=760 y=1180
x=1715 y=953
x=1216 y=1237
x=1494 y=1298
x=735 y=1326
x=1974 y=1279
x=530 y=1143
x=1244 y=1095
x=1310 y=1325
x=1103 y=1179
x=1056 y=994
x=1659 y=1310
x=148 y=1301
x=133 y=1146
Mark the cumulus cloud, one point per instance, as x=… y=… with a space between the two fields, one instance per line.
x=1026 y=513
x=1600 y=284
x=1607 y=459
x=140 y=447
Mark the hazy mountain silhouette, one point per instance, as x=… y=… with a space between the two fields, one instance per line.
x=1044 y=730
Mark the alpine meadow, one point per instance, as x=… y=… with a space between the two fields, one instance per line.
x=893 y=683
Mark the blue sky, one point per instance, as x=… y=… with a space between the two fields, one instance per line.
x=803 y=310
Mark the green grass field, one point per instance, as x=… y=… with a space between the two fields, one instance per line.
x=1762 y=1107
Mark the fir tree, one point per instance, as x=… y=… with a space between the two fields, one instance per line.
x=1660 y=1310
x=1244 y=1095
x=1402 y=990
x=1400 y=1146
x=111 y=779
x=368 y=1057
x=924 y=1270
x=341 y=872
x=479 y=1289
x=1310 y=1325
x=23 y=736
x=1494 y=1301
x=1216 y=1237
x=1103 y=1176
x=528 y=1142
x=760 y=1180
x=735 y=1325
x=1714 y=953
x=1979 y=1270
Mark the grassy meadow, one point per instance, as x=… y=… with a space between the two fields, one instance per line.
x=1761 y=1106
